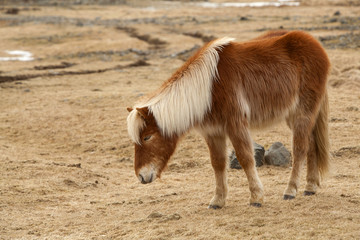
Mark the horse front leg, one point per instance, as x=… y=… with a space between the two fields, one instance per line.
x=242 y=144
x=217 y=147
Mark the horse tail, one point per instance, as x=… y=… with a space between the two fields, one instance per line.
x=321 y=138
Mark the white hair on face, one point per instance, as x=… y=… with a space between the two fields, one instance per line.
x=185 y=101
x=135 y=124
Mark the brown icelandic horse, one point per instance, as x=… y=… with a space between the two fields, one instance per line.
x=229 y=87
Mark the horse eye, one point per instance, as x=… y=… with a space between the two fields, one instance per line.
x=147 y=138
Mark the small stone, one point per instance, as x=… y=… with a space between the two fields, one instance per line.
x=277 y=155
x=337 y=13
x=77 y=165
x=175 y=216
x=155 y=215
x=12 y=11
x=70 y=183
x=352 y=108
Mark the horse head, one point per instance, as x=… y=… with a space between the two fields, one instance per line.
x=152 y=149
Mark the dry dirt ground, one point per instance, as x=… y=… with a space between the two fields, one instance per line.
x=66 y=161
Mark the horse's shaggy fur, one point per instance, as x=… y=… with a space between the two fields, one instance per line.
x=226 y=89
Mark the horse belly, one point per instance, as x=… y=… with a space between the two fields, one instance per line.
x=264 y=117
x=273 y=103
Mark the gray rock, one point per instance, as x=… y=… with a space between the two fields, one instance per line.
x=234 y=163
x=259 y=152
x=337 y=13
x=277 y=155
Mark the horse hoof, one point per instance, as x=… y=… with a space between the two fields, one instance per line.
x=308 y=193
x=288 y=197
x=255 y=204
x=214 y=207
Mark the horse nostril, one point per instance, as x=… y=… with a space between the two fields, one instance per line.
x=142 y=179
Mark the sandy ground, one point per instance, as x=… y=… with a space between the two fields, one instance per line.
x=66 y=161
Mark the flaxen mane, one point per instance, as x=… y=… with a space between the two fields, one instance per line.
x=185 y=97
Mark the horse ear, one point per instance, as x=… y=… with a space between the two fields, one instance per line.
x=129 y=109
x=143 y=112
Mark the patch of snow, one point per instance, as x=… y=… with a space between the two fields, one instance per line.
x=20 y=56
x=278 y=3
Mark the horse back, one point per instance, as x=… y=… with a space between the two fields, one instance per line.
x=268 y=76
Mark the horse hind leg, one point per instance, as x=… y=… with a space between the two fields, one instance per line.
x=217 y=148
x=313 y=175
x=318 y=155
x=302 y=127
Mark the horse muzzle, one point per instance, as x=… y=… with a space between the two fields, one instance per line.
x=147 y=175
x=146 y=179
